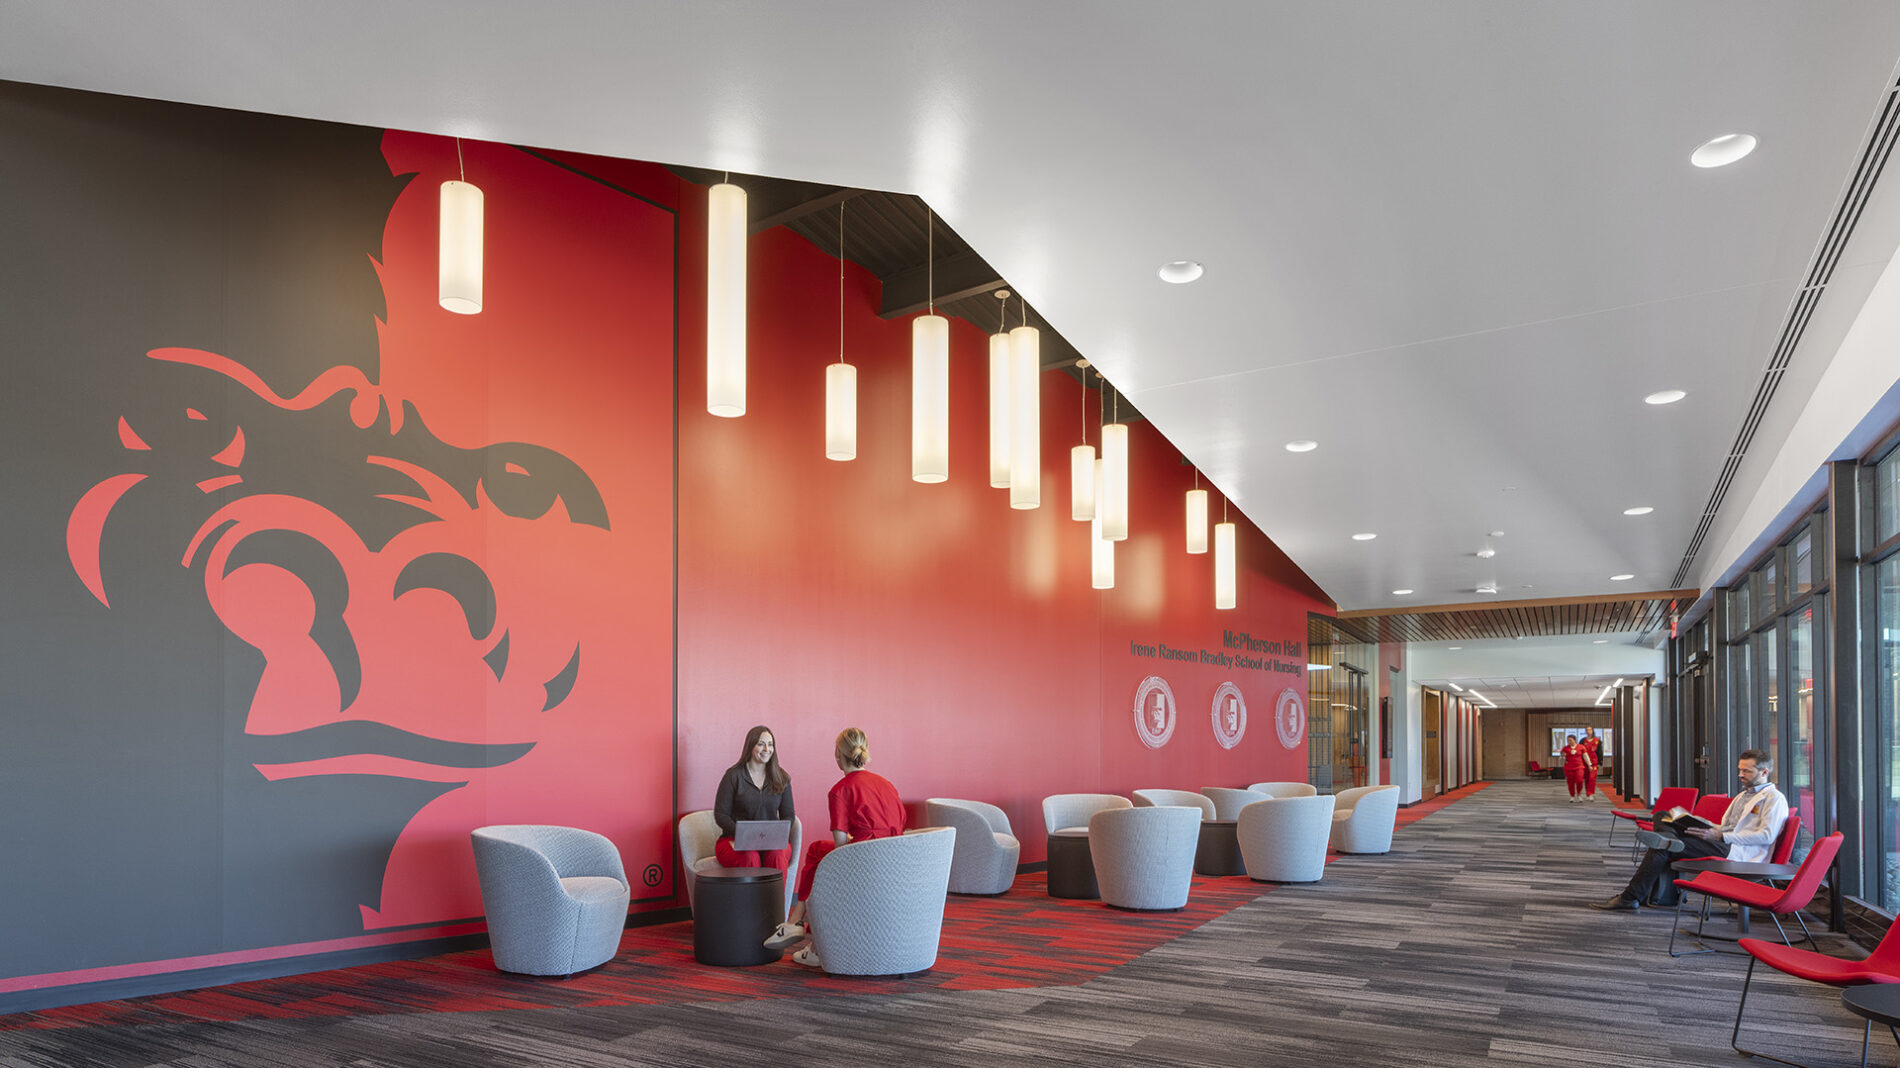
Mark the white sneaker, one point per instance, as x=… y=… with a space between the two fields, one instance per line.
x=808 y=957
x=787 y=936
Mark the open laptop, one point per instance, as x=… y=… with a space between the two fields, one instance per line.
x=764 y=835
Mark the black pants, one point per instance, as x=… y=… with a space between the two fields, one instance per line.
x=1654 y=881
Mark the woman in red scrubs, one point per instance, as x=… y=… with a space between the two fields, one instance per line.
x=1574 y=756
x=864 y=805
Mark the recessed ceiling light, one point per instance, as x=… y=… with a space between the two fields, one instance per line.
x=1641 y=509
x=1621 y=578
x=1601 y=641
x=1401 y=593
x=1489 y=587
x=1302 y=445
x=1664 y=396
x=1364 y=537
x=1723 y=150
x=1485 y=553
x=1497 y=533
x=1454 y=648
x=1454 y=686
x=1180 y=272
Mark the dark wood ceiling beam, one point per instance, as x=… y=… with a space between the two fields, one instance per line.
x=963 y=275
x=777 y=215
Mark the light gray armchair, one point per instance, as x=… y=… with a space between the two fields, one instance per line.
x=876 y=906
x=986 y=854
x=1144 y=857
x=1179 y=798
x=698 y=831
x=1363 y=817
x=556 y=897
x=1068 y=812
x=1285 y=789
x=1283 y=839
x=1228 y=802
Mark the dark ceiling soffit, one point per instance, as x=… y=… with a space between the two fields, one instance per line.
x=954 y=278
x=810 y=206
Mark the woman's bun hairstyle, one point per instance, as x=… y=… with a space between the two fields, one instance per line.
x=854 y=750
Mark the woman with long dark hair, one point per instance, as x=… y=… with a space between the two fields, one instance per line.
x=755 y=788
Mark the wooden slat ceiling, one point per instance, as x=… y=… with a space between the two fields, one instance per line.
x=1638 y=613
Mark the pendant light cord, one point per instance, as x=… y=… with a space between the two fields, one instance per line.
x=840 y=281
x=930 y=259
x=460 y=167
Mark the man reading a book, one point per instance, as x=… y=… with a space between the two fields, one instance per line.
x=1748 y=831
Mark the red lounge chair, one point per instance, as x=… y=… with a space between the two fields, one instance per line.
x=1750 y=894
x=1882 y=966
x=1669 y=798
x=1784 y=846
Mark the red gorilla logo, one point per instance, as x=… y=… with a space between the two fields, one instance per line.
x=433 y=600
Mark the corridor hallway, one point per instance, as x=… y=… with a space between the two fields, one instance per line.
x=1470 y=943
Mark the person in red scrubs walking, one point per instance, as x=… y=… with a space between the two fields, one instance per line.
x=864 y=805
x=1593 y=759
x=1574 y=755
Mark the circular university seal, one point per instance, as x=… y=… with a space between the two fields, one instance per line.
x=1289 y=719
x=1230 y=715
x=1154 y=712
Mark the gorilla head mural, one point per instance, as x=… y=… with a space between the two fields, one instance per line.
x=340 y=576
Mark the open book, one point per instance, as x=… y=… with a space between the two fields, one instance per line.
x=1680 y=813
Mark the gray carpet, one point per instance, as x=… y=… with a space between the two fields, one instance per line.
x=1468 y=944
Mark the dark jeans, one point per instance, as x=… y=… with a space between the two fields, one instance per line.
x=1654 y=882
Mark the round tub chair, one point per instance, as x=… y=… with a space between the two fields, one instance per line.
x=986 y=852
x=1285 y=789
x=876 y=906
x=1283 y=839
x=1144 y=857
x=1228 y=802
x=697 y=833
x=1363 y=817
x=556 y=897
x=1182 y=798
x=1066 y=818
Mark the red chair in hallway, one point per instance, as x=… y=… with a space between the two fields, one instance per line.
x=1881 y=966
x=1784 y=846
x=1669 y=798
x=1746 y=893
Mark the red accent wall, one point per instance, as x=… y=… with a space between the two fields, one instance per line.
x=963 y=636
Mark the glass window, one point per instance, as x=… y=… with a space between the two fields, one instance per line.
x=1770 y=730
x=1800 y=777
x=1887 y=697
x=1887 y=497
x=1801 y=564
x=1767 y=594
x=1738 y=617
x=1741 y=696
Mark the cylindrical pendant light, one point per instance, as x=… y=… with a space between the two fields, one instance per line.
x=1223 y=565
x=1082 y=483
x=459 y=245
x=1112 y=501
x=841 y=382
x=930 y=377
x=1101 y=550
x=1197 y=521
x=930 y=398
x=1025 y=418
x=725 y=300
x=841 y=412
x=999 y=409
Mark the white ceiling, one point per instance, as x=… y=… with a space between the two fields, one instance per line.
x=1454 y=241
